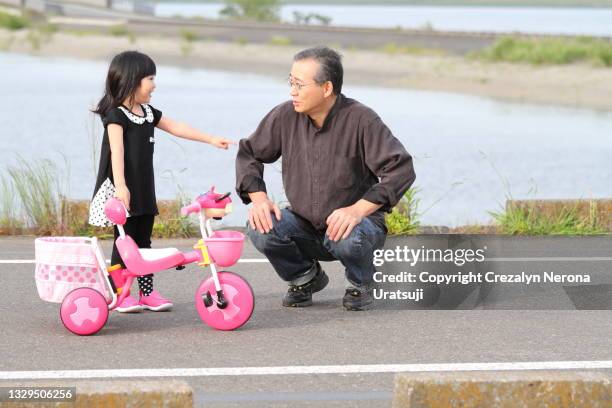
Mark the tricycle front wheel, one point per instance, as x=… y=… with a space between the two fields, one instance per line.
x=238 y=297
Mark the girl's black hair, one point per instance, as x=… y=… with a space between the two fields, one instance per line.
x=123 y=79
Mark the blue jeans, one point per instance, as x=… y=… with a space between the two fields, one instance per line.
x=294 y=248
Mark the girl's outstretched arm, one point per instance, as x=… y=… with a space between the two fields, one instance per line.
x=187 y=132
x=115 y=139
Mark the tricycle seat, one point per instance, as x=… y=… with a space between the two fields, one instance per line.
x=150 y=254
x=143 y=261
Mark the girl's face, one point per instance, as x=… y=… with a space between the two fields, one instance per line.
x=144 y=91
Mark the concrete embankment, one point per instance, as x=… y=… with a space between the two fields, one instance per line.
x=103 y=394
x=503 y=389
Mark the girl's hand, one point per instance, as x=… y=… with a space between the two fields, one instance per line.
x=123 y=194
x=221 y=142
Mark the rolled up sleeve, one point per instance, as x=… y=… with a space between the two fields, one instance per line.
x=263 y=146
x=387 y=158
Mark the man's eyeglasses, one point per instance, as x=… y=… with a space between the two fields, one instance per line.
x=297 y=85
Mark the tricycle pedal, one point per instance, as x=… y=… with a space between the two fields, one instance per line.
x=207 y=299
x=221 y=302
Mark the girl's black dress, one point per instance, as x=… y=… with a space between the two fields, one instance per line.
x=138 y=148
x=138 y=145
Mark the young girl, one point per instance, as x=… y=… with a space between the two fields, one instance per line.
x=126 y=160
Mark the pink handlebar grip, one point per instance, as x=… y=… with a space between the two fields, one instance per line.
x=191 y=208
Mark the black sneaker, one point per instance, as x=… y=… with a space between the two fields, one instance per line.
x=358 y=298
x=301 y=295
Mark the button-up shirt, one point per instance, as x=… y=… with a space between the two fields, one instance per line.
x=352 y=156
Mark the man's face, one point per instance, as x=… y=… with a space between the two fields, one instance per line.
x=306 y=94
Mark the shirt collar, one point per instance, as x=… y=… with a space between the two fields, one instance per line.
x=334 y=109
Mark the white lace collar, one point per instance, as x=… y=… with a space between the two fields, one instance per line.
x=139 y=120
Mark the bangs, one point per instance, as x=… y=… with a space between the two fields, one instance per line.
x=146 y=66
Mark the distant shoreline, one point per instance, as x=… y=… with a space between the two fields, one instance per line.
x=441 y=3
x=577 y=85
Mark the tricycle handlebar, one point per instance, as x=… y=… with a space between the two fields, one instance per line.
x=191 y=208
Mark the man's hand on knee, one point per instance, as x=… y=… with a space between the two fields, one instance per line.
x=260 y=217
x=341 y=222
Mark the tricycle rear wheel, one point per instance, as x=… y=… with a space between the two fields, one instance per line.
x=84 y=311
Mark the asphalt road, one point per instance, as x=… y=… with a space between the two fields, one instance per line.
x=33 y=339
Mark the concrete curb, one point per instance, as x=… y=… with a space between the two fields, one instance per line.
x=110 y=394
x=503 y=389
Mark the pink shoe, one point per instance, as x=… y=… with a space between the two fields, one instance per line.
x=155 y=302
x=129 y=305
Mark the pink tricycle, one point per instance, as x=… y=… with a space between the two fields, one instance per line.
x=72 y=270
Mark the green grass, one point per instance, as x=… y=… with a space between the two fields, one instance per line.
x=404 y=218
x=188 y=35
x=79 y=33
x=539 y=51
x=122 y=31
x=119 y=31
x=13 y=22
x=527 y=220
x=241 y=41
x=523 y=3
x=49 y=28
x=257 y=10
x=533 y=218
x=280 y=40
x=394 y=49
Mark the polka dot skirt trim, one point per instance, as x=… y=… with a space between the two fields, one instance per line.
x=97 y=217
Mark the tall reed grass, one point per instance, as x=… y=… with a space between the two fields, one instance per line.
x=530 y=220
x=38 y=188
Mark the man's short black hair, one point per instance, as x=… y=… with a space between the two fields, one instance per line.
x=330 y=63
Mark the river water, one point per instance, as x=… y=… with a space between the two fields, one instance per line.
x=470 y=152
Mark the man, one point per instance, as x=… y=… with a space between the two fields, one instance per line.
x=342 y=168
